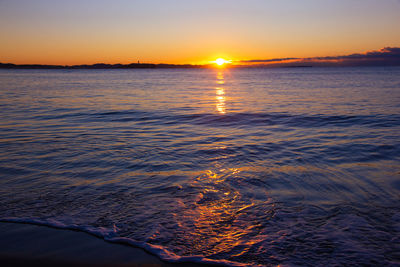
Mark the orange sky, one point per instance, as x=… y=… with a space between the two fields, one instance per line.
x=194 y=32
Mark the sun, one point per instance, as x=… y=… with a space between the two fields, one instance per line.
x=221 y=61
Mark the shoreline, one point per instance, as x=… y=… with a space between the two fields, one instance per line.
x=25 y=244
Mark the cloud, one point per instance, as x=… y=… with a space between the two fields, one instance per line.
x=388 y=56
x=268 y=60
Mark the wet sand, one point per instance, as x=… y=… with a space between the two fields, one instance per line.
x=33 y=245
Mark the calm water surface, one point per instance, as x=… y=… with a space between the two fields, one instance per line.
x=255 y=167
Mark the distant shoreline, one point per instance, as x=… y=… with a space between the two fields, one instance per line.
x=139 y=66
x=101 y=66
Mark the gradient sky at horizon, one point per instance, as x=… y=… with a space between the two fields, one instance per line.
x=191 y=31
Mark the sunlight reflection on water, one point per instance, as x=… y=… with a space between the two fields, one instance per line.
x=220 y=93
x=222 y=213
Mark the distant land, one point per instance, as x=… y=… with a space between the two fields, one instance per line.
x=142 y=66
x=100 y=66
x=388 y=56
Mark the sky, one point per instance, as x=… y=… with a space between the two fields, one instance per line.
x=192 y=31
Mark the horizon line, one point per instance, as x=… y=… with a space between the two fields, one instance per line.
x=387 y=56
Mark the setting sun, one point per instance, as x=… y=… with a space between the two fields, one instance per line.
x=221 y=61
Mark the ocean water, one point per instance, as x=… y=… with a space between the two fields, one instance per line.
x=241 y=167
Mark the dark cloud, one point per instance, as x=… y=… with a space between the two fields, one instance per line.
x=387 y=56
x=387 y=52
x=268 y=60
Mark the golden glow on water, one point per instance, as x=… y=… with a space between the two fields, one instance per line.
x=220 y=213
x=216 y=208
x=220 y=94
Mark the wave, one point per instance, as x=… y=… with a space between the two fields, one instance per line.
x=231 y=119
x=299 y=235
x=109 y=236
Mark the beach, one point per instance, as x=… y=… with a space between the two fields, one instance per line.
x=30 y=245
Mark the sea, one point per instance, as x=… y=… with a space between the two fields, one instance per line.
x=234 y=167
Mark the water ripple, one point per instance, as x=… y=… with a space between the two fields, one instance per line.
x=240 y=167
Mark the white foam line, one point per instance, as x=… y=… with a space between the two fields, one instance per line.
x=109 y=236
